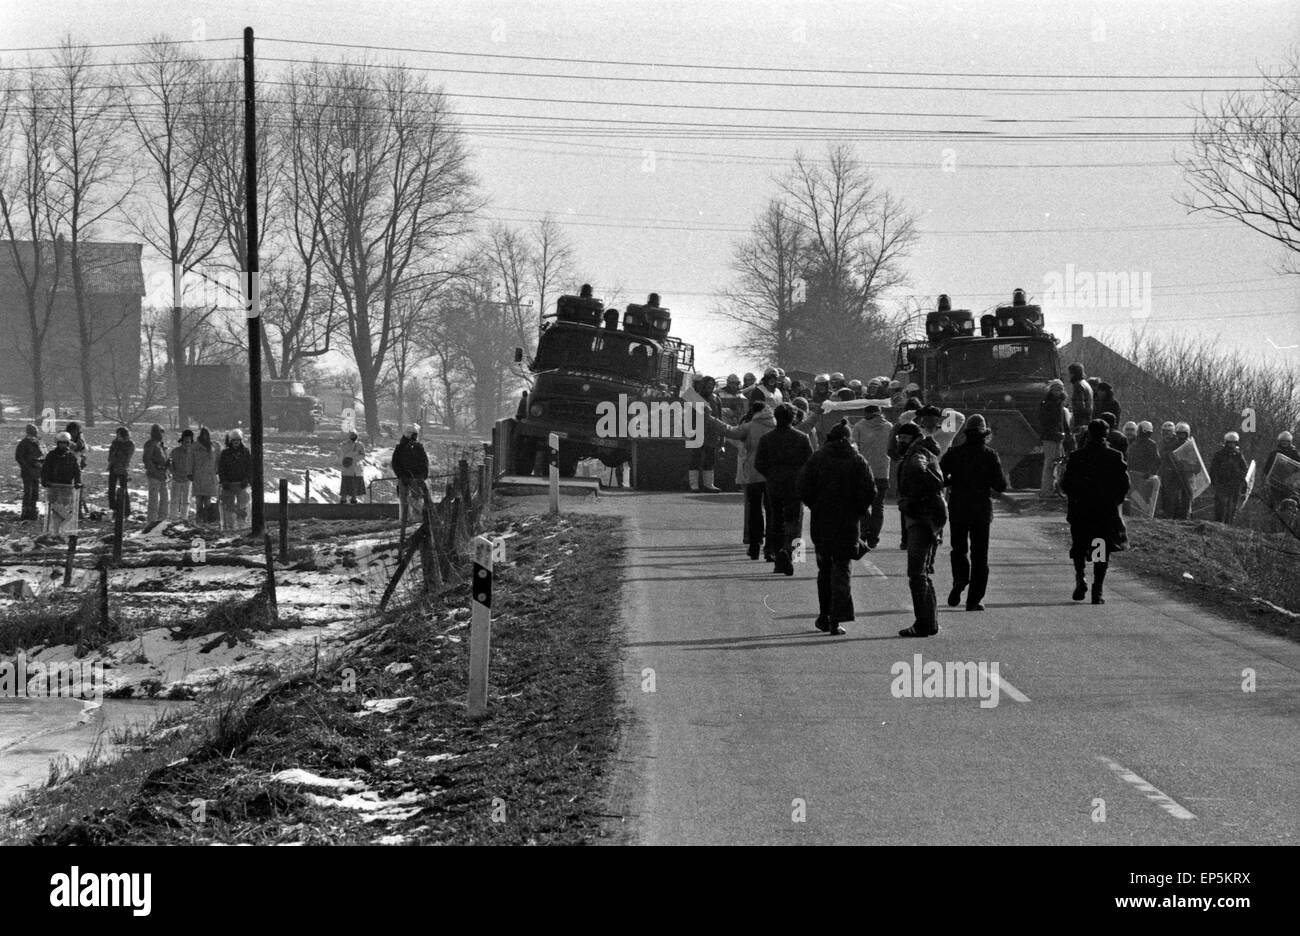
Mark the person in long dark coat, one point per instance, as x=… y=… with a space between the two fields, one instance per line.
x=973 y=473
x=781 y=453
x=1096 y=483
x=920 y=496
x=837 y=487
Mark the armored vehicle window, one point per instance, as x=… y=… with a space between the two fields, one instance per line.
x=999 y=360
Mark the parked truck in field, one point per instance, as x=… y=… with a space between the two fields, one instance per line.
x=583 y=360
x=218 y=397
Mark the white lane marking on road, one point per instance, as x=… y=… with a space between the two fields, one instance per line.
x=768 y=606
x=1006 y=687
x=1163 y=800
x=870 y=567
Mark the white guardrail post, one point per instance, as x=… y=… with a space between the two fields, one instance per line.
x=480 y=627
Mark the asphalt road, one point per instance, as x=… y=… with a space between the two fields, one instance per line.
x=761 y=730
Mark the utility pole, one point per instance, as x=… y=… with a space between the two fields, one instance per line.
x=253 y=296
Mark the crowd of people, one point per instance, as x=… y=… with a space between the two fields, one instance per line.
x=945 y=475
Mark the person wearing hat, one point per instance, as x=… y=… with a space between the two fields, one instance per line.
x=235 y=472
x=770 y=387
x=352 y=461
x=856 y=386
x=1053 y=431
x=749 y=382
x=780 y=455
x=920 y=499
x=29 y=456
x=1175 y=482
x=700 y=474
x=1285 y=448
x=973 y=473
x=155 y=471
x=806 y=422
x=411 y=466
x=837 y=382
x=759 y=521
x=871 y=434
x=732 y=400
x=1228 y=475
x=1130 y=430
x=1118 y=441
x=836 y=486
x=78 y=448
x=60 y=476
x=821 y=389
x=182 y=465
x=1095 y=484
x=895 y=451
x=120 y=452
x=205 y=477
x=1104 y=400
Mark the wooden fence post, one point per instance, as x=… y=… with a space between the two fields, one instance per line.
x=103 y=596
x=273 y=605
x=67 y=566
x=554 y=442
x=119 y=517
x=428 y=551
x=284 y=519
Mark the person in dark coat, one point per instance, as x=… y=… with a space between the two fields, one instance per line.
x=1175 y=481
x=1143 y=454
x=972 y=472
x=1053 y=430
x=920 y=493
x=78 y=448
x=895 y=452
x=120 y=452
x=235 y=472
x=1104 y=400
x=1285 y=447
x=411 y=466
x=60 y=476
x=1081 y=401
x=1118 y=441
x=1096 y=483
x=28 y=454
x=781 y=453
x=1228 y=475
x=836 y=485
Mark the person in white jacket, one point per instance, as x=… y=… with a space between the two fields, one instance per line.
x=352 y=461
x=871 y=437
x=758 y=423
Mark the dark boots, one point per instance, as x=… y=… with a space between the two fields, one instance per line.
x=1098 y=577
x=1080 y=584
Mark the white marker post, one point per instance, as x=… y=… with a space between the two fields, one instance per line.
x=554 y=442
x=480 y=627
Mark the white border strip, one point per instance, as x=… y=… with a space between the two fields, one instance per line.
x=1163 y=800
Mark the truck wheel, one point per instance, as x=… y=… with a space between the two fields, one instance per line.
x=525 y=455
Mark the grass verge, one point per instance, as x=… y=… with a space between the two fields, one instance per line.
x=387 y=722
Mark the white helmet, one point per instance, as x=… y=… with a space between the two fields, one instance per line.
x=1284 y=436
x=1231 y=437
x=63 y=437
x=1145 y=426
x=1183 y=427
x=235 y=434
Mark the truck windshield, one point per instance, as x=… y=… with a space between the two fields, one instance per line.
x=981 y=361
x=599 y=351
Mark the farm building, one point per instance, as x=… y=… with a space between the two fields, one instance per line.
x=115 y=290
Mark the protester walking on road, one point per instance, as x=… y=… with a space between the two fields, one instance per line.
x=972 y=472
x=871 y=434
x=182 y=465
x=120 y=452
x=1053 y=429
x=155 y=470
x=1228 y=475
x=411 y=466
x=1095 y=482
x=29 y=456
x=235 y=472
x=352 y=465
x=837 y=487
x=780 y=455
x=920 y=497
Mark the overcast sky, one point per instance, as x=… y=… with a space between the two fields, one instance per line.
x=657 y=206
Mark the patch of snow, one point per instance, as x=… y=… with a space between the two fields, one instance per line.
x=384 y=706
x=438 y=758
x=300 y=777
x=398 y=668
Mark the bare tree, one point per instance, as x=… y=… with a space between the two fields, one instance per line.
x=378 y=158
x=30 y=207
x=552 y=266
x=768 y=267
x=132 y=394
x=512 y=263
x=1246 y=161
x=479 y=331
x=91 y=171
x=174 y=217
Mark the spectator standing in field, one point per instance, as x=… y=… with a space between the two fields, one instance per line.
x=1081 y=402
x=1053 y=429
x=235 y=472
x=182 y=465
x=411 y=466
x=837 y=487
x=871 y=434
x=1095 y=482
x=1228 y=475
x=155 y=470
x=352 y=462
x=61 y=476
x=780 y=455
x=29 y=456
x=120 y=452
x=973 y=473
x=205 y=476
x=78 y=448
